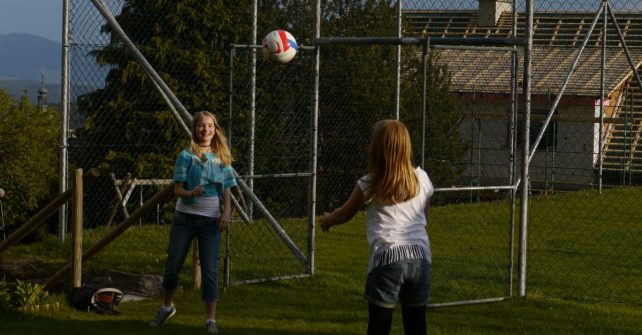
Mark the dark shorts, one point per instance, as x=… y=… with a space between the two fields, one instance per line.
x=406 y=281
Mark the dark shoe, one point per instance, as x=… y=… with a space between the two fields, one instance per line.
x=211 y=327
x=162 y=316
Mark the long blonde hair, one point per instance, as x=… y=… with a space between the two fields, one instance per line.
x=219 y=141
x=393 y=179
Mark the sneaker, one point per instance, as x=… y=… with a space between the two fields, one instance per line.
x=211 y=327
x=162 y=316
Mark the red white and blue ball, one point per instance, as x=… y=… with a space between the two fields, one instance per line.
x=279 y=46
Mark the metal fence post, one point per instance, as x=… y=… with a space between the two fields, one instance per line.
x=64 y=129
x=523 y=214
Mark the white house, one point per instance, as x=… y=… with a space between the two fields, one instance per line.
x=568 y=157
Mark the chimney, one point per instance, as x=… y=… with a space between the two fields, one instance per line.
x=491 y=10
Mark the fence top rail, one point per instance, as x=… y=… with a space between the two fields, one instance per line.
x=136 y=181
x=475 y=188
x=258 y=46
x=472 y=41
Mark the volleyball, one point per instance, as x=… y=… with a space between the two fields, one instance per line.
x=279 y=46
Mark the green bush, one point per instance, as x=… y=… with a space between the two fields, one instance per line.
x=28 y=142
x=5 y=297
x=28 y=294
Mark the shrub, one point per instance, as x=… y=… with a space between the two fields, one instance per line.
x=5 y=297
x=28 y=294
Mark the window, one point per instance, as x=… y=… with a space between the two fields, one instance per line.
x=549 y=140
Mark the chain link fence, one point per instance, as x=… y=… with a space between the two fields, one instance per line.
x=583 y=149
x=122 y=124
x=466 y=128
x=272 y=135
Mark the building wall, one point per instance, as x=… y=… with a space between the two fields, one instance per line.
x=564 y=162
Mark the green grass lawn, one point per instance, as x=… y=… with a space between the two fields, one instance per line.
x=470 y=250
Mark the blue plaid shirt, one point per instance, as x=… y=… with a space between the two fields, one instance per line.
x=211 y=174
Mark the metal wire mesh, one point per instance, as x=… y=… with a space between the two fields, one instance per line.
x=568 y=248
x=469 y=145
x=121 y=124
x=276 y=162
x=99 y=137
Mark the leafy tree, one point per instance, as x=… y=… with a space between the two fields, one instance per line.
x=358 y=88
x=444 y=114
x=28 y=157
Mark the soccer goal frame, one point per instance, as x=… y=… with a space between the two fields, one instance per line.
x=510 y=44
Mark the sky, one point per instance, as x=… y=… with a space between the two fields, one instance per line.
x=44 y=17
x=37 y=17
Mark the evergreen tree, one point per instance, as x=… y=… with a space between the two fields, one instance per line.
x=129 y=128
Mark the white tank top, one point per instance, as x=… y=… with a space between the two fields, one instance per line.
x=398 y=231
x=203 y=206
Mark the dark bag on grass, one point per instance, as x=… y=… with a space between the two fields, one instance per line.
x=103 y=300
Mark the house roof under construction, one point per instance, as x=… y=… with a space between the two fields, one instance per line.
x=557 y=39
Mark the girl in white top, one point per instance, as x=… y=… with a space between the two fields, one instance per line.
x=397 y=196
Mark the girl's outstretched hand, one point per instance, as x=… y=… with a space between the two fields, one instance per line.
x=325 y=222
x=344 y=213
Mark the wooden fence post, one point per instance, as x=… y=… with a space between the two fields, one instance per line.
x=113 y=234
x=43 y=214
x=77 y=218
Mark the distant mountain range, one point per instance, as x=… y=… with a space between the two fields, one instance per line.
x=28 y=57
x=27 y=60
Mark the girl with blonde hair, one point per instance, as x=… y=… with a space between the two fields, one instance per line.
x=397 y=196
x=203 y=176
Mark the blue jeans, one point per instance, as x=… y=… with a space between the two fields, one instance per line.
x=184 y=228
x=407 y=281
